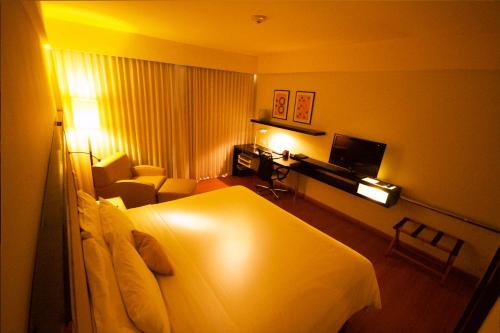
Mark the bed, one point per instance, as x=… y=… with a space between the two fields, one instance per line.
x=242 y=264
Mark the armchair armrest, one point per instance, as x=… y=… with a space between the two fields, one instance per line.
x=133 y=193
x=148 y=170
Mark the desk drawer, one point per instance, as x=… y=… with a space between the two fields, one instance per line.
x=247 y=161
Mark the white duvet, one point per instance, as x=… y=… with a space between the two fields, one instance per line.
x=242 y=264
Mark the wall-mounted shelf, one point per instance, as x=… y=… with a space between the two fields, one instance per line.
x=289 y=127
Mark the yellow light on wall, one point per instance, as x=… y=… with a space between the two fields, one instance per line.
x=280 y=142
x=86 y=119
x=259 y=137
x=60 y=10
x=81 y=83
x=85 y=114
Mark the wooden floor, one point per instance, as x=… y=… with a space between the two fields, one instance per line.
x=413 y=301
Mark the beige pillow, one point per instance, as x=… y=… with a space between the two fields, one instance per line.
x=114 y=222
x=152 y=253
x=109 y=311
x=88 y=215
x=139 y=288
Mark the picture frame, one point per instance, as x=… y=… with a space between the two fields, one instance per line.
x=304 y=105
x=280 y=104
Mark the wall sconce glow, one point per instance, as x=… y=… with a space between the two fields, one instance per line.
x=47 y=46
x=373 y=193
x=81 y=83
x=86 y=119
x=280 y=142
x=62 y=11
x=259 y=136
x=85 y=114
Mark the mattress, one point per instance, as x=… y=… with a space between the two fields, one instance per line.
x=242 y=264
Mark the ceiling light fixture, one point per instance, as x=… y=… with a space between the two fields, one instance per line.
x=259 y=18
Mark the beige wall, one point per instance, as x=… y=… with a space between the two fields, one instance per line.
x=27 y=120
x=74 y=36
x=442 y=131
x=448 y=52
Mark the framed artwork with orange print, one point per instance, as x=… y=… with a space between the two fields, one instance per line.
x=304 y=104
x=280 y=104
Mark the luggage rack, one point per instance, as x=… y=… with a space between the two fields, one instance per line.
x=428 y=235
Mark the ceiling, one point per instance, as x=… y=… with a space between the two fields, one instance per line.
x=291 y=25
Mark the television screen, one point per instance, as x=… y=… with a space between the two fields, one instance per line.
x=357 y=155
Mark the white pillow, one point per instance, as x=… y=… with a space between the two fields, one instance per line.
x=88 y=216
x=139 y=288
x=109 y=311
x=114 y=222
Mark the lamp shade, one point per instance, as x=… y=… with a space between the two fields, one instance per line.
x=85 y=114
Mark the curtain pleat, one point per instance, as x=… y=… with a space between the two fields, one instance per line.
x=221 y=104
x=185 y=119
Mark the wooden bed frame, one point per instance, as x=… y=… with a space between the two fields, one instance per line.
x=80 y=301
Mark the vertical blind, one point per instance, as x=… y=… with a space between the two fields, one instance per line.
x=182 y=118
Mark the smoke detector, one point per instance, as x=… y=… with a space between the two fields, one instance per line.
x=259 y=18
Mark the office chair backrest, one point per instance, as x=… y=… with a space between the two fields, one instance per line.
x=266 y=165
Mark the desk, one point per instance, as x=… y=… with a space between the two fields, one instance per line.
x=246 y=161
x=253 y=152
x=321 y=171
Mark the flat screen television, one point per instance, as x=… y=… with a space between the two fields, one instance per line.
x=357 y=155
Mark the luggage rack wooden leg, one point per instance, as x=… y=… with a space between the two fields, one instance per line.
x=451 y=259
x=394 y=243
x=395 y=240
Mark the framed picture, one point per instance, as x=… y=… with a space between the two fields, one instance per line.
x=280 y=104
x=304 y=103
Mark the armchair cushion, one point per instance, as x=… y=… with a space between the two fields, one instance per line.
x=148 y=170
x=156 y=181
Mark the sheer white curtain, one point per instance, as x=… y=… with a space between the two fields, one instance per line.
x=220 y=105
x=182 y=118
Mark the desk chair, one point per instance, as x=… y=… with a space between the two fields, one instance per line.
x=269 y=172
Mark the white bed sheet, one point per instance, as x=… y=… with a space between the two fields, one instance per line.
x=242 y=264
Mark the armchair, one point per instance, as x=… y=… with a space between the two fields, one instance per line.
x=137 y=186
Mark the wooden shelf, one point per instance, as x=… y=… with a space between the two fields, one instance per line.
x=289 y=127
